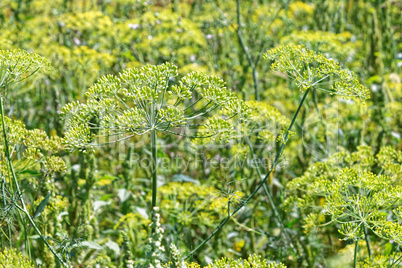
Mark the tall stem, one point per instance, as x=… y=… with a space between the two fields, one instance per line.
x=366 y=237
x=23 y=208
x=154 y=167
x=355 y=256
x=271 y=201
x=261 y=183
x=3 y=190
x=245 y=50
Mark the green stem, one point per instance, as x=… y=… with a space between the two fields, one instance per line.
x=355 y=256
x=3 y=187
x=393 y=261
x=396 y=262
x=23 y=208
x=245 y=50
x=366 y=237
x=154 y=167
x=261 y=183
x=271 y=201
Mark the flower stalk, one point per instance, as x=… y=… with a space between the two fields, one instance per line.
x=14 y=177
x=273 y=166
x=154 y=167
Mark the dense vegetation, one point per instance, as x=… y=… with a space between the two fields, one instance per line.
x=204 y=133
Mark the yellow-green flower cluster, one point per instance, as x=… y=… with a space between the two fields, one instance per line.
x=54 y=206
x=151 y=37
x=10 y=258
x=345 y=187
x=252 y=261
x=84 y=25
x=81 y=60
x=132 y=220
x=30 y=150
x=264 y=119
x=219 y=128
x=338 y=46
x=282 y=135
x=17 y=65
x=361 y=199
x=140 y=100
x=390 y=160
x=206 y=205
x=313 y=70
x=300 y=10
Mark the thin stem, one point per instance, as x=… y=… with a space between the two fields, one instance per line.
x=3 y=190
x=392 y=262
x=154 y=167
x=248 y=229
x=396 y=262
x=271 y=201
x=366 y=237
x=200 y=110
x=245 y=50
x=23 y=208
x=355 y=256
x=261 y=183
x=194 y=103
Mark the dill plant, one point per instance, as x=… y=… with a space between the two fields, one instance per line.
x=17 y=65
x=360 y=193
x=375 y=22
x=310 y=71
x=360 y=200
x=252 y=148
x=23 y=149
x=143 y=101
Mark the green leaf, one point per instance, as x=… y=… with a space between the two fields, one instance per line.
x=41 y=206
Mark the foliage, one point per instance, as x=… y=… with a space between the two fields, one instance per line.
x=245 y=158
x=251 y=261
x=355 y=198
x=10 y=258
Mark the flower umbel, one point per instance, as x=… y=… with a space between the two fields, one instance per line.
x=141 y=100
x=17 y=65
x=313 y=70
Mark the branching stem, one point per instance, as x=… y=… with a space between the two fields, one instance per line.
x=271 y=201
x=261 y=183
